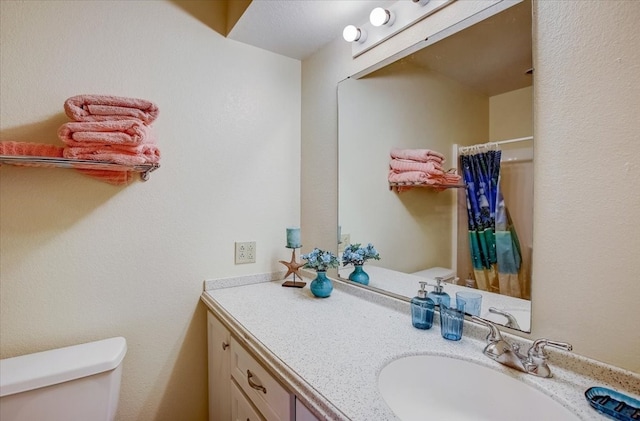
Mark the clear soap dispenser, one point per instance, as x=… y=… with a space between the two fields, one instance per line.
x=422 y=309
x=438 y=295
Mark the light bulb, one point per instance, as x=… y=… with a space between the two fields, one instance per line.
x=380 y=16
x=351 y=34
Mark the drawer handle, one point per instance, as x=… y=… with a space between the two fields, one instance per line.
x=225 y=345
x=254 y=385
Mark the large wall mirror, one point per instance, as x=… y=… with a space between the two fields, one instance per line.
x=469 y=95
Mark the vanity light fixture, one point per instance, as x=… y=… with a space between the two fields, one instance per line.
x=353 y=34
x=386 y=22
x=380 y=17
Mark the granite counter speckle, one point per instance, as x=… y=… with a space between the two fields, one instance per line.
x=329 y=351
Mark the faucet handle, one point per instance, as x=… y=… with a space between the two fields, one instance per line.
x=537 y=349
x=494 y=333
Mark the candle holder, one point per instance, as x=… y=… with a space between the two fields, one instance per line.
x=293 y=267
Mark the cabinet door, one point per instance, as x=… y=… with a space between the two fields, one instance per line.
x=219 y=364
x=303 y=413
x=273 y=401
x=241 y=409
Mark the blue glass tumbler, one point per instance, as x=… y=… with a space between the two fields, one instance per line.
x=452 y=321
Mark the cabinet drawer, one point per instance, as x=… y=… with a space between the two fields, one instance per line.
x=241 y=409
x=271 y=399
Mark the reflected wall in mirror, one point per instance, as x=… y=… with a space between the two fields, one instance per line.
x=470 y=88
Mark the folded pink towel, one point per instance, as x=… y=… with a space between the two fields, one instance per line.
x=411 y=177
x=402 y=165
x=114 y=132
x=30 y=149
x=420 y=155
x=107 y=107
x=133 y=155
x=117 y=178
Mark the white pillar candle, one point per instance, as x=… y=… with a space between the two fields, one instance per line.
x=293 y=238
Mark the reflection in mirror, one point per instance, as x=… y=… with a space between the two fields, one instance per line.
x=454 y=97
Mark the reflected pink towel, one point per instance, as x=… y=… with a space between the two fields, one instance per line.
x=402 y=165
x=108 y=107
x=30 y=149
x=134 y=155
x=116 y=132
x=420 y=155
x=411 y=177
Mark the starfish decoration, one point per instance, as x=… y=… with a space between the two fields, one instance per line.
x=293 y=266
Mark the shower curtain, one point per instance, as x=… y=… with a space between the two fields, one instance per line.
x=493 y=242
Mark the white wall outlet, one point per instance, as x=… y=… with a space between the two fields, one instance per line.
x=245 y=252
x=345 y=239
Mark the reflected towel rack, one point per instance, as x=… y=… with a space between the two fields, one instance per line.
x=44 y=161
x=418 y=184
x=463 y=149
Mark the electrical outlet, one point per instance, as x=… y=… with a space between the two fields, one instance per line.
x=344 y=240
x=245 y=252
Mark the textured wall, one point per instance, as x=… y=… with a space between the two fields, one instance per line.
x=587 y=166
x=84 y=260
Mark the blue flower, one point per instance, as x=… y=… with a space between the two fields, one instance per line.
x=357 y=255
x=320 y=259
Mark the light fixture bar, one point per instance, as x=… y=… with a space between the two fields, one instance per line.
x=405 y=14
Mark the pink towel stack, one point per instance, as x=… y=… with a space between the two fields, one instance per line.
x=111 y=129
x=420 y=166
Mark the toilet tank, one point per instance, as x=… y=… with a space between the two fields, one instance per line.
x=75 y=383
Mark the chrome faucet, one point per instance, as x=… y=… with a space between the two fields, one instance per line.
x=535 y=362
x=511 y=320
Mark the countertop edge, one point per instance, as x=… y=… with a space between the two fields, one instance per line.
x=312 y=399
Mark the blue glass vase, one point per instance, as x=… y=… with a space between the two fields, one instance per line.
x=359 y=275
x=321 y=287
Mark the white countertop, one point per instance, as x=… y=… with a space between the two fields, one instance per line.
x=329 y=351
x=407 y=285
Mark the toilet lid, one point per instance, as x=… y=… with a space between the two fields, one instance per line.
x=41 y=369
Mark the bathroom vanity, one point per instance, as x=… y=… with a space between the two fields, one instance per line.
x=321 y=359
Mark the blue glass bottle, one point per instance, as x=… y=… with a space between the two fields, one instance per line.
x=422 y=309
x=438 y=295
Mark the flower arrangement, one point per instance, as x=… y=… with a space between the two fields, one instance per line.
x=320 y=260
x=357 y=255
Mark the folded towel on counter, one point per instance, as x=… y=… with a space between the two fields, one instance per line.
x=30 y=149
x=402 y=165
x=134 y=155
x=420 y=155
x=108 y=107
x=115 y=132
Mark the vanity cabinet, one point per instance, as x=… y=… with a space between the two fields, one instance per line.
x=240 y=388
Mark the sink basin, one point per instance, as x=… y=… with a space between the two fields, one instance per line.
x=443 y=388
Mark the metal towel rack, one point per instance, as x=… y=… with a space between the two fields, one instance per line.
x=44 y=161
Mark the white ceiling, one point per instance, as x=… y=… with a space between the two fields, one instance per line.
x=498 y=49
x=299 y=28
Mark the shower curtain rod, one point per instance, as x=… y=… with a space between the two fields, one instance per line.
x=499 y=142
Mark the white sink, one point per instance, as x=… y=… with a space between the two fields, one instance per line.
x=442 y=388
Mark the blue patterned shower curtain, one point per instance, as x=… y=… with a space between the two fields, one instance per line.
x=494 y=248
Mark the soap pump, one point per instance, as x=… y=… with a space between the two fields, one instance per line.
x=422 y=309
x=438 y=295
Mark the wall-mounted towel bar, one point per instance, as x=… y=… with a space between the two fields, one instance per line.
x=43 y=161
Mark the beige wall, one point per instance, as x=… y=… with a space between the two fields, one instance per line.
x=587 y=165
x=403 y=106
x=83 y=260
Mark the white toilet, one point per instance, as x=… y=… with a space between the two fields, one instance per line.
x=75 y=383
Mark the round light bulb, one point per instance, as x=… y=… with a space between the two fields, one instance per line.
x=350 y=33
x=379 y=16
